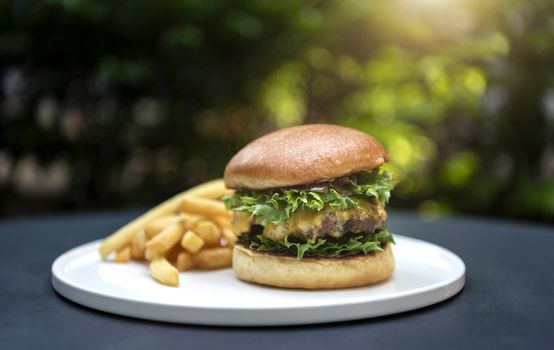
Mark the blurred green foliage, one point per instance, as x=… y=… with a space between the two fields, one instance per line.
x=117 y=103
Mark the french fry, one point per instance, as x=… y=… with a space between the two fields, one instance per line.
x=171 y=255
x=121 y=237
x=211 y=190
x=164 y=241
x=136 y=253
x=184 y=261
x=202 y=206
x=123 y=255
x=158 y=235
x=163 y=272
x=137 y=245
x=191 y=242
x=222 y=222
x=229 y=236
x=154 y=227
x=213 y=258
x=150 y=255
x=188 y=221
x=208 y=231
x=241 y=222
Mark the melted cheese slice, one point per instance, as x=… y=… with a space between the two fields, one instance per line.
x=305 y=224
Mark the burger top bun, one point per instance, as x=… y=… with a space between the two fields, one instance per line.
x=303 y=154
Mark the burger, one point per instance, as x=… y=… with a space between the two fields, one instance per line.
x=309 y=209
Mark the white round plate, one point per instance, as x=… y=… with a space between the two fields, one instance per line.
x=425 y=274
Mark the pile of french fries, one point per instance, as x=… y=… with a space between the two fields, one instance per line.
x=190 y=230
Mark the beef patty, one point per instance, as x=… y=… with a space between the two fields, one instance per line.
x=309 y=225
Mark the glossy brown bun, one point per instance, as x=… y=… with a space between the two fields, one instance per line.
x=303 y=154
x=312 y=273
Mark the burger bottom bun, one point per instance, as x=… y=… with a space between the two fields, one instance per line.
x=312 y=273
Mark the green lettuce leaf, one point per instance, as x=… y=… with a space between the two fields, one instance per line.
x=376 y=184
x=277 y=207
x=329 y=247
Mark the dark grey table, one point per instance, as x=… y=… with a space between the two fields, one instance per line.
x=508 y=300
